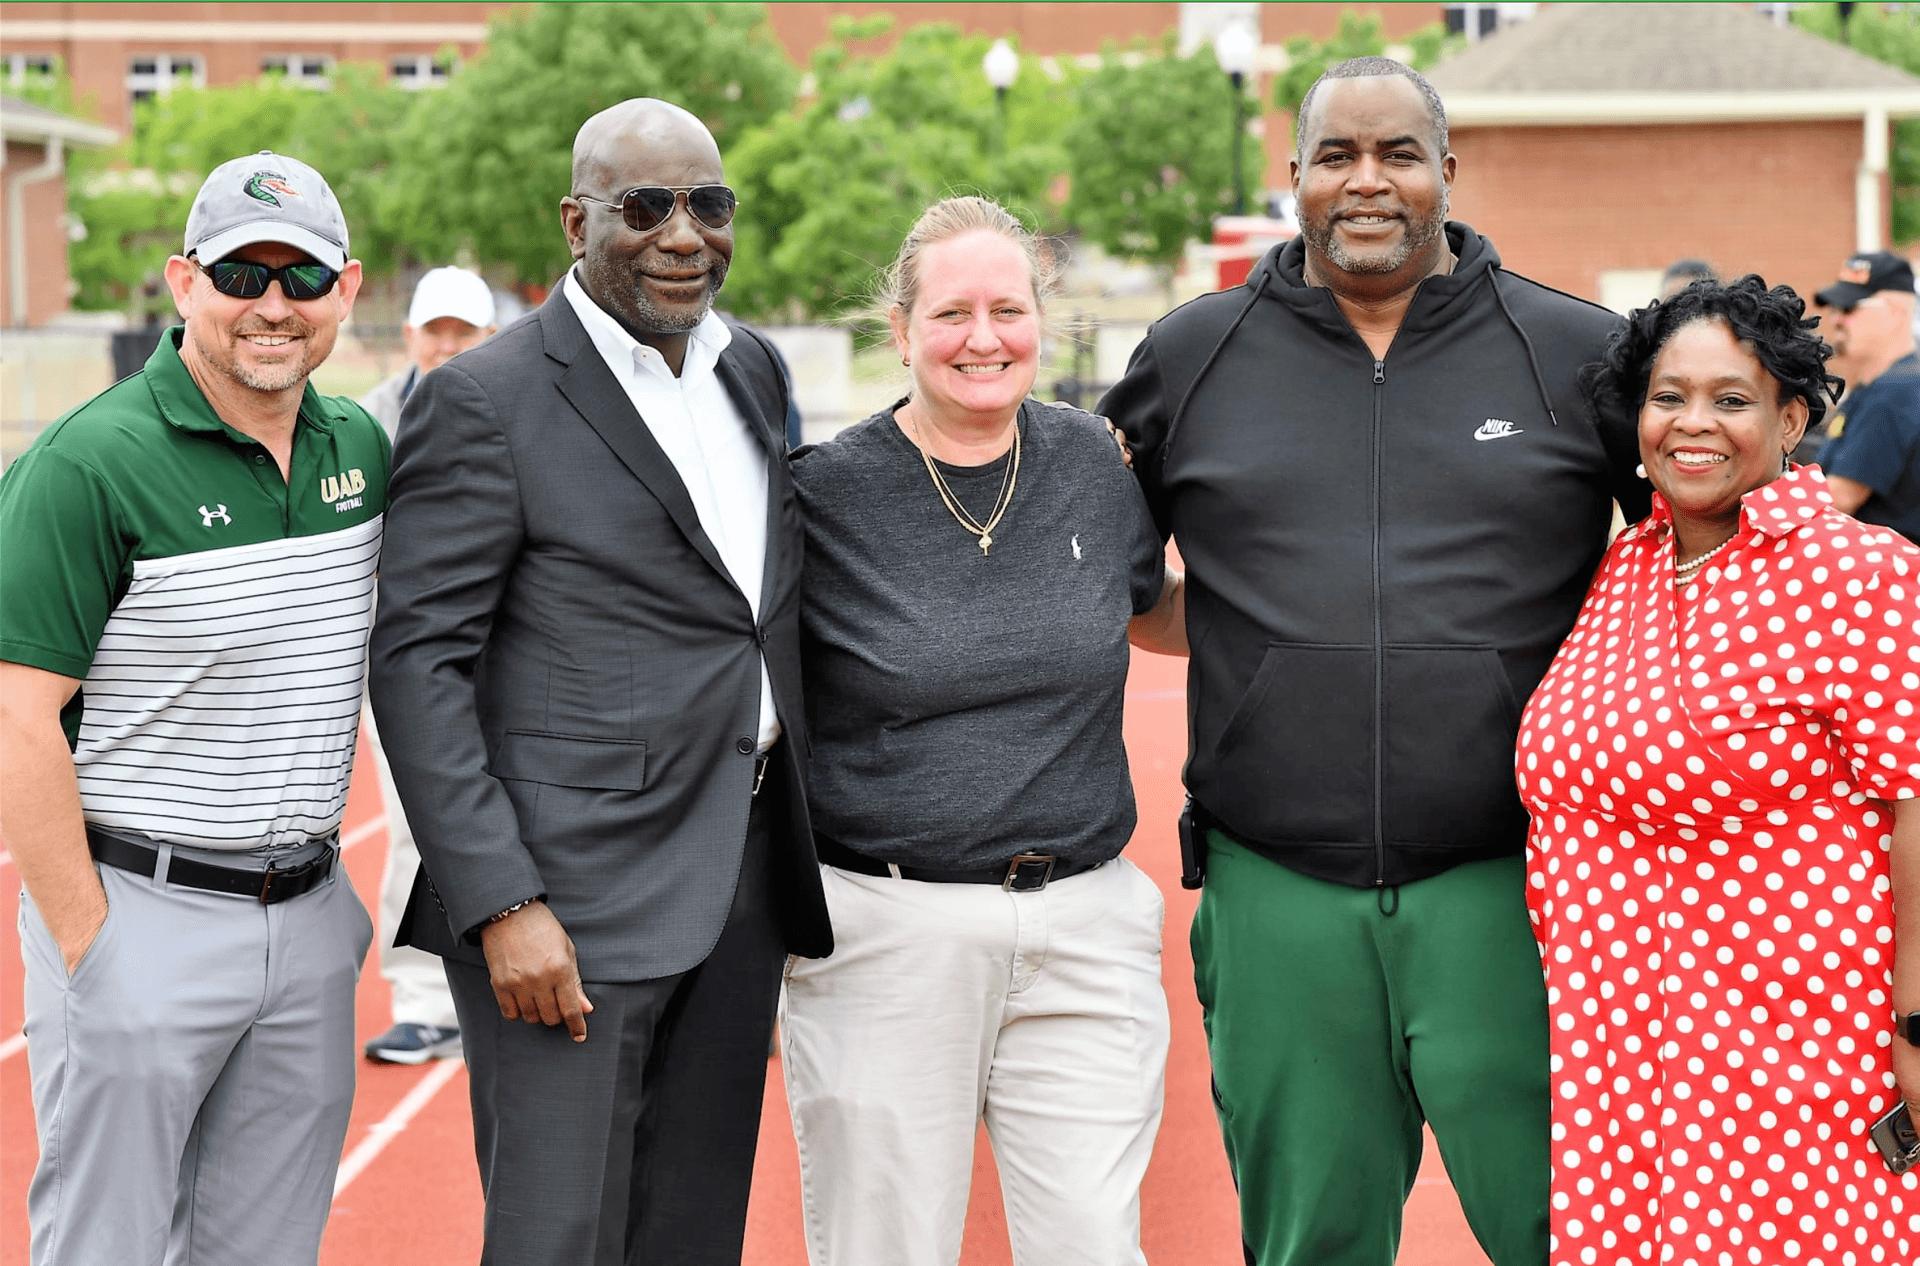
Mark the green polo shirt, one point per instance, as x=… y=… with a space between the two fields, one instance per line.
x=216 y=613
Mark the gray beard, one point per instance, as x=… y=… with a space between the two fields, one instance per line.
x=291 y=377
x=650 y=317
x=1420 y=234
x=640 y=312
x=256 y=380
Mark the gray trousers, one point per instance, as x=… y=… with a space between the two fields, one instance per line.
x=193 y=1077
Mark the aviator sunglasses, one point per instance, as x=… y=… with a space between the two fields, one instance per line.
x=647 y=208
x=243 y=279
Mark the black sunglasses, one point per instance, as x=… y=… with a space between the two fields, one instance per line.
x=647 y=208
x=243 y=279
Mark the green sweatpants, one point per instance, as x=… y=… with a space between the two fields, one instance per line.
x=1338 y=1019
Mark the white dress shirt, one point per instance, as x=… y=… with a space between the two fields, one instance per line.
x=722 y=464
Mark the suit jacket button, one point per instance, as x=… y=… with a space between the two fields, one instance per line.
x=744 y=747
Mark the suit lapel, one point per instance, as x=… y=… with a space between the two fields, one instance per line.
x=596 y=394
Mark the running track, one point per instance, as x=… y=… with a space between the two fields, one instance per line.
x=409 y=1194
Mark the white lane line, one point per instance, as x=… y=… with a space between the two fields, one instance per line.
x=372 y=826
x=383 y=1133
x=13 y=1046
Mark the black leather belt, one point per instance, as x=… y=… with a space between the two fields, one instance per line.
x=266 y=886
x=1028 y=872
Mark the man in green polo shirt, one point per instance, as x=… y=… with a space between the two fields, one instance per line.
x=186 y=584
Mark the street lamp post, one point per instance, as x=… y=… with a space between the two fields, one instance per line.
x=1235 y=48
x=1002 y=67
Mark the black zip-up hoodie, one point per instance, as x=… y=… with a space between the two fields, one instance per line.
x=1382 y=555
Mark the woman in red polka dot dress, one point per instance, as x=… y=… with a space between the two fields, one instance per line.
x=1721 y=766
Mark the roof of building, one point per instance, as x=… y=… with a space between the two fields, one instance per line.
x=1659 y=48
x=22 y=120
x=1582 y=64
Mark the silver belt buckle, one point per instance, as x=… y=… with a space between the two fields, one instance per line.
x=1027 y=868
x=759 y=771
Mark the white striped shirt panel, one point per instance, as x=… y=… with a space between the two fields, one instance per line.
x=223 y=702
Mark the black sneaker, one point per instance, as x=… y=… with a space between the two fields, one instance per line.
x=414 y=1044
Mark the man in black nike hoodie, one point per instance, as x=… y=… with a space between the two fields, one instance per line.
x=1390 y=499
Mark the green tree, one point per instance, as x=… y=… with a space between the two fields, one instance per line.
x=489 y=156
x=134 y=204
x=828 y=193
x=1894 y=38
x=1151 y=154
x=1358 y=35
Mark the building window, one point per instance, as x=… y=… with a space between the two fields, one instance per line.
x=25 y=68
x=418 y=70
x=1477 y=20
x=308 y=70
x=156 y=74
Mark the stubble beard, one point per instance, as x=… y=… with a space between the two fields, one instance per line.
x=638 y=309
x=227 y=359
x=1322 y=240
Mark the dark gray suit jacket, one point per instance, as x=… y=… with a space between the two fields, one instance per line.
x=566 y=679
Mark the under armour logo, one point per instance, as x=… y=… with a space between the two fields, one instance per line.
x=1496 y=429
x=218 y=512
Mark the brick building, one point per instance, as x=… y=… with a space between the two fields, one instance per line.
x=1599 y=143
x=117 y=54
x=33 y=207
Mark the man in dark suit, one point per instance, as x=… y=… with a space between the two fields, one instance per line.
x=586 y=670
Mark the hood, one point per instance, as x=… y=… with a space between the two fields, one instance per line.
x=1439 y=300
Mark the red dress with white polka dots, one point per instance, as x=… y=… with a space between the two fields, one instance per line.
x=1708 y=881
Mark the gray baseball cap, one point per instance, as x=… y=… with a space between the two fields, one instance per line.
x=267 y=197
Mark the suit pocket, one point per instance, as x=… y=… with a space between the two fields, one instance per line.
x=1451 y=722
x=1294 y=760
x=560 y=760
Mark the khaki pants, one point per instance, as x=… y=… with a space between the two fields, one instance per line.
x=943 y=1005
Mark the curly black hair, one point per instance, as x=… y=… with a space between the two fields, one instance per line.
x=1771 y=322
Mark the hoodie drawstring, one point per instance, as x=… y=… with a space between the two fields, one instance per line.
x=1173 y=427
x=1493 y=275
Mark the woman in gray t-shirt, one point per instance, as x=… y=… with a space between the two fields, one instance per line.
x=974 y=562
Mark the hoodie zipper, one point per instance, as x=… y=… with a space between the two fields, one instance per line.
x=1379 y=651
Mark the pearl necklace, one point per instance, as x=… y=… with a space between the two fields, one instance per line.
x=1683 y=573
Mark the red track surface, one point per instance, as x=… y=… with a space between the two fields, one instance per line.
x=417 y=1201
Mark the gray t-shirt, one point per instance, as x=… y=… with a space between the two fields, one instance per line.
x=966 y=707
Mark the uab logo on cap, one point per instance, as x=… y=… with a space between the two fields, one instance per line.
x=264 y=184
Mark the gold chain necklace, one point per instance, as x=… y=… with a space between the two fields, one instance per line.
x=984 y=531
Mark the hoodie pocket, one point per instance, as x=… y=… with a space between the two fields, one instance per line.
x=1295 y=759
x=1447 y=766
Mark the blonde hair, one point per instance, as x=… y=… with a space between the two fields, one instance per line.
x=950 y=218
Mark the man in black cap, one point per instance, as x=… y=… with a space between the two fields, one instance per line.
x=1872 y=454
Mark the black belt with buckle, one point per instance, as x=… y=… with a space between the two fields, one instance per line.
x=266 y=886
x=1027 y=872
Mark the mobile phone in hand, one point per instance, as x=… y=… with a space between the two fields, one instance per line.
x=1897 y=1140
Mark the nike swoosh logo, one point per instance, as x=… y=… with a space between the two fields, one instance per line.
x=1496 y=429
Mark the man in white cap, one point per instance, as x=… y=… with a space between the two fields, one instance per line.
x=452 y=310
x=186 y=584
